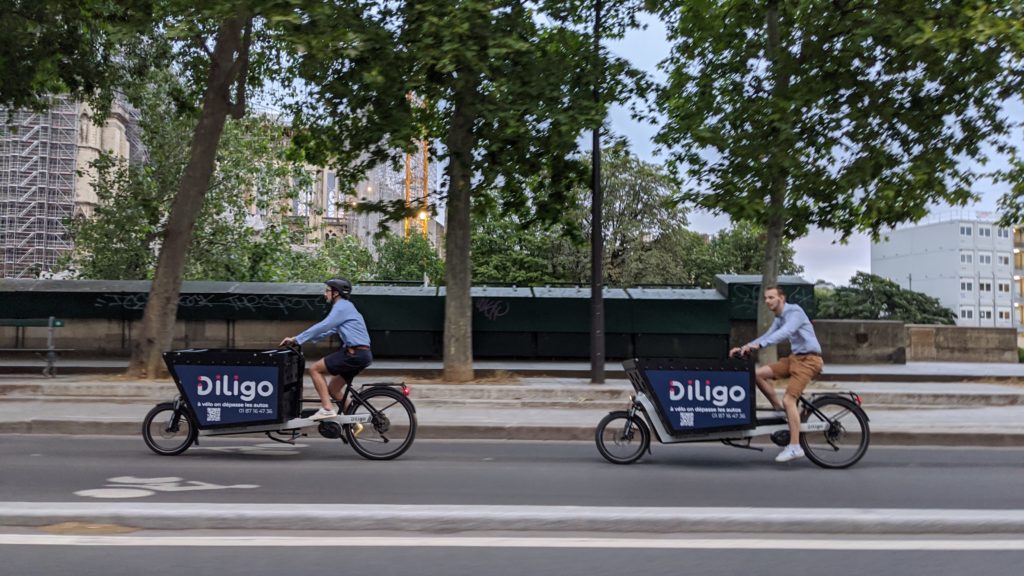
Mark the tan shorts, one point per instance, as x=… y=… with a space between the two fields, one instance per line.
x=800 y=368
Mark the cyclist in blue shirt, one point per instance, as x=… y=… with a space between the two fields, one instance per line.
x=801 y=366
x=354 y=355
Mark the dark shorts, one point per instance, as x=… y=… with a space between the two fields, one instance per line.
x=348 y=362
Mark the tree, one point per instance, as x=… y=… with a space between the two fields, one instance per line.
x=412 y=259
x=224 y=50
x=504 y=85
x=638 y=210
x=870 y=297
x=338 y=256
x=122 y=238
x=512 y=247
x=83 y=48
x=690 y=259
x=840 y=115
x=645 y=234
x=507 y=252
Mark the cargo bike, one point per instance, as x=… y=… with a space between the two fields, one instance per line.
x=701 y=400
x=237 y=391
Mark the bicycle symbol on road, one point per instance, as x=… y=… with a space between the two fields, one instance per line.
x=133 y=487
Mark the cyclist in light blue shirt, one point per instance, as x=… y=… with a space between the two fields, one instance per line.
x=801 y=366
x=342 y=366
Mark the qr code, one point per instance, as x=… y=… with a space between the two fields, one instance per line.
x=213 y=414
x=685 y=419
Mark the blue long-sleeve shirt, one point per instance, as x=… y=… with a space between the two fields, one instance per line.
x=793 y=325
x=343 y=320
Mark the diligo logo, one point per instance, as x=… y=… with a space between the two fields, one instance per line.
x=246 y=390
x=704 y=391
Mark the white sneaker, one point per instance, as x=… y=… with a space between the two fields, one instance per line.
x=790 y=452
x=323 y=414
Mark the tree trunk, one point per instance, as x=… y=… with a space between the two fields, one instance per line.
x=775 y=228
x=228 y=66
x=458 y=305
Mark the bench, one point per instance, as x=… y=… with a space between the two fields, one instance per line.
x=50 y=352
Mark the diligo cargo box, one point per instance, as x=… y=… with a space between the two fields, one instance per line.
x=232 y=387
x=697 y=395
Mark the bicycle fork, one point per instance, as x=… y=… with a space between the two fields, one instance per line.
x=634 y=408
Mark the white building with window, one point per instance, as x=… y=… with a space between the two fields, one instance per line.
x=972 y=266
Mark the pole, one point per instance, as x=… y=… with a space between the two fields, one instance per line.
x=596 y=236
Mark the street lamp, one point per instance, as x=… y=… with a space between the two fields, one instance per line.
x=596 y=238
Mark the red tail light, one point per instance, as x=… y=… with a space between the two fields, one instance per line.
x=856 y=398
x=406 y=391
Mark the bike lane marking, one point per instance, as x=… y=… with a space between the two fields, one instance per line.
x=134 y=487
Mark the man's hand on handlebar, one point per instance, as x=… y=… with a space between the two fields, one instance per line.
x=742 y=351
x=289 y=341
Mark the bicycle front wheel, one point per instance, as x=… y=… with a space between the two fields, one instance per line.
x=622 y=439
x=168 y=432
x=392 y=425
x=845 y=438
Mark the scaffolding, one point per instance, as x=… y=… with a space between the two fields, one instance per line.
x=37 y=187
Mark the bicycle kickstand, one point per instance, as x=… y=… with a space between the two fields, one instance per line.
x=746 y=445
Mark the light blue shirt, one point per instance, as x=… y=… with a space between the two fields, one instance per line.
x=793 y=325
x=343 y=320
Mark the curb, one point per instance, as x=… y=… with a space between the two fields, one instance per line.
x=521 y=432
x=465 y=518
x=552 y=372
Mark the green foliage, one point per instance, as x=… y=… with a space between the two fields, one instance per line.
x=122 y=239
x=83 y=48
x=407 y=260
x=518 y=71
x=646 y=239
x=870 y=297
x=342 y=256
x=861 y=114
x=117 y=241
x=506 y=252
x=690 y=259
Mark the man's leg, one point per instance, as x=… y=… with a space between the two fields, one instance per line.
x=802 y=370
x=318 y=373
x=336 y=387
x=765 y=378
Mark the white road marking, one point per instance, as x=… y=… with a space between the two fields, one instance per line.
x=114 y=493
x=143 y=540
x=134 y=487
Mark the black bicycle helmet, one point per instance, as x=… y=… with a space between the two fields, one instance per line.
x=341 y=286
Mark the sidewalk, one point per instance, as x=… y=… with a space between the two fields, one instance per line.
x=914 y=404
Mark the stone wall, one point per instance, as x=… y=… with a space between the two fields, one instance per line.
x=862 y=341
x=892 y=342
x=961 y=344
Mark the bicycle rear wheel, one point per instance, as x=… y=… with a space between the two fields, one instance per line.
x=845 y=438
x=392 y=426
x=622 y=439
x=166 y=432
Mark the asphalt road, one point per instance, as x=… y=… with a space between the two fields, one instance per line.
x=228 y=470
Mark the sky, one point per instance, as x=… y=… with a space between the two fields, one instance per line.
x=820 y=253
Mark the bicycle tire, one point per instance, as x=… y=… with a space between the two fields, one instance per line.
x=165 y=437
x=390 y=432
x=845 y=441
x=617 y=442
